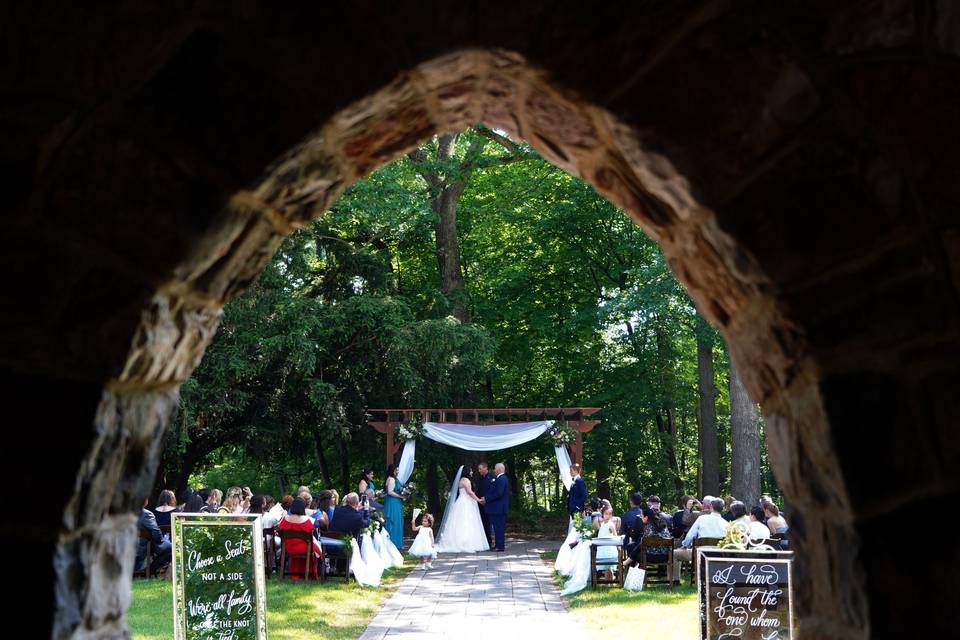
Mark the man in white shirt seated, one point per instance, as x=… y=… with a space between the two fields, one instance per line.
x=709 y=525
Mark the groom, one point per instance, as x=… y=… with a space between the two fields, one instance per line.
x=497 y=502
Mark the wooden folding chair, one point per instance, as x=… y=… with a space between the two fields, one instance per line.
x=307 y=537
x=657 y=546
x=618 y=569
x=148 y=559
x=700 y=542
x=270 y=550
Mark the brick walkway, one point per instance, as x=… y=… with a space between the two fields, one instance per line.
x=475 y=595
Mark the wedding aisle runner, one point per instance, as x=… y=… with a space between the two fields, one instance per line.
x=475 y=595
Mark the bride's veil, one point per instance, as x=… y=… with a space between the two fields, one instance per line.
x=448 y=509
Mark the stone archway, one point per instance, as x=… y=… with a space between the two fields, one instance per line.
x=719 y=129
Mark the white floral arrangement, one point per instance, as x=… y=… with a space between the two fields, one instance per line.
x=410 y=430
x=562 y=433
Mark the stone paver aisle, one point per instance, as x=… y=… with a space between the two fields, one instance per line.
x=469 y=595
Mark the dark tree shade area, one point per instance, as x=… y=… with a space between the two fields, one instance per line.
x=469 y=273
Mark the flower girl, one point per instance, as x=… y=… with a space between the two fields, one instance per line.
x=423 y=546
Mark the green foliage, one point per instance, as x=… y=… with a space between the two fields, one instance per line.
x=571 y=305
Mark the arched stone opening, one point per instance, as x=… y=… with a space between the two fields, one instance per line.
x=845 y=336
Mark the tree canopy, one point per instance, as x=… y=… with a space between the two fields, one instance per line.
x=559 y=300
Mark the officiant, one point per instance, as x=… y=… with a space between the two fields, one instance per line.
x=484 y=480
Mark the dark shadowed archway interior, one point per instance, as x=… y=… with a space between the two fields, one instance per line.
x=793 y=165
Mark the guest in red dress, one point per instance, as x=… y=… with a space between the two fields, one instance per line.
x=297 y=520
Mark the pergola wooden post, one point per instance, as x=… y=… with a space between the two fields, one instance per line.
x=386 y=421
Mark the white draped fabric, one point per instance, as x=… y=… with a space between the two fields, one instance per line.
x=382 y=550
x=579 y=571
x=405 y=468
x=359 y=568
x=493 y=437
x=371 y=559
x=563 y=463
x=395 y=556
x=564 y=563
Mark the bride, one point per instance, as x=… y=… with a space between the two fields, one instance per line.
x=462 y=530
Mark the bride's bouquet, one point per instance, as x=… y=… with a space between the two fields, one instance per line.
x=584 y=529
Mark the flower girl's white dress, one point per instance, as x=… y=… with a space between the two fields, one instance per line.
x=422 y=547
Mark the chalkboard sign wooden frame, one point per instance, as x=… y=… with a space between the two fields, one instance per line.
x=711 y=558
x=233 y=574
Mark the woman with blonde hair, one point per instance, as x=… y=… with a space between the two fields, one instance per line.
x=213 y=501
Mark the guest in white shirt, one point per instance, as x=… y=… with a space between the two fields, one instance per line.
x=758 y=530
x=709 y=525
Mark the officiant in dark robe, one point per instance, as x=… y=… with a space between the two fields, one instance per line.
x=484 y=480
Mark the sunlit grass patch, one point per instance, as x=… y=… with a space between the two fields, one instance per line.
x=334 y=610
x=656 y=612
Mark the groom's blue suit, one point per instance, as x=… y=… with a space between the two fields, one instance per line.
x=498 y=503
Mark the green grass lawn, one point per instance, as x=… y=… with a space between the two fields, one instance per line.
x=333 y=610
x=652 y=613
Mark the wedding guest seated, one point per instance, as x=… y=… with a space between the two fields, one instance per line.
x=366 y=487
x=245 y=496
x=231 y=504
x=194 y=504
x=350 y=517
x=775 y=520
x=325 y=504
x=649 y=525
x=162 y=550
x=307 y=501
x=683 y=518
x=272 y=512
x=297 y=520
x=185 y=495
x=654 y=503
x=758 y=530
x=710 y=524
x=213 y=501
x=729 y=500
x=629 y=522
x=166 y=504
x=285 y=503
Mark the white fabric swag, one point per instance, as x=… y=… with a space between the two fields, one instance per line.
x=479 y=437
x=474 y=437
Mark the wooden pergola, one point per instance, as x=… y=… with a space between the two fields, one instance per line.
x=387 y=420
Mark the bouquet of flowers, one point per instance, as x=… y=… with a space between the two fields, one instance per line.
x=376 y=524
x=410 y=430
x=408 y=489
x=562 y=433
x=584 y=528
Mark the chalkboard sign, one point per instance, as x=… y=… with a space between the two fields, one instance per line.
x=218 y=581
x=745 y=594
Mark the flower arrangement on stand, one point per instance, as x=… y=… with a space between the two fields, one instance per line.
x=738 y=538
x=410 y=430
x=562 y=433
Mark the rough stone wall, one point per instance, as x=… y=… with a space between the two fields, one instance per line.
x=792 y=160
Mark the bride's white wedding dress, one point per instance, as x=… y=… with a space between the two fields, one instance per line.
x=462 y=531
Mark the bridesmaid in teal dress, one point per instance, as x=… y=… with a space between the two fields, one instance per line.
x=393 y=507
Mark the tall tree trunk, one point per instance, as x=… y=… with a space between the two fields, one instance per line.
x=744 y=441
x=709 y=449
x=321 y=458
x=445 y=204
x=665 y=414
x=344 y=466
